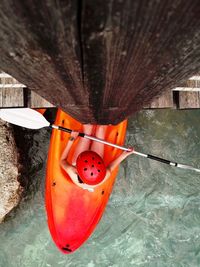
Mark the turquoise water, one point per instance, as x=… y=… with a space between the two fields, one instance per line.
x=153 y=216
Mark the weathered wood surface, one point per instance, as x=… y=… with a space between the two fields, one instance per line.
x=177 y=100
x=10 y=97
x=21 y=97
x=186 y=97
x=100 y=61
x=189 y=100
x=14 y=94
x=164 y=101
x=36 y=101
x=189 y=93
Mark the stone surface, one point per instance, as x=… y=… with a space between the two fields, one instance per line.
x=10 y=189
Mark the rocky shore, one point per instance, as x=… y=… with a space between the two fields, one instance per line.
x=10 y=188
x=23 y=152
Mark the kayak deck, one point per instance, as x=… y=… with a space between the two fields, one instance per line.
x=73 y=212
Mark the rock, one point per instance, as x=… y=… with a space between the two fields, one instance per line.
x=10 y=188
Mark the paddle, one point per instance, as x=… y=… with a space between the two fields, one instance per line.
x=30 y=118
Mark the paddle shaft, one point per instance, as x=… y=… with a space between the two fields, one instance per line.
x=31 y=119
x=174 y=164
x=90 y=137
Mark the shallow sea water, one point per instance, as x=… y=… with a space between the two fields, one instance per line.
x=152 y=218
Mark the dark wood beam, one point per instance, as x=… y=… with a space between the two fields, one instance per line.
x=100 y=61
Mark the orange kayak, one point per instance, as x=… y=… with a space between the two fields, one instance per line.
x=73 y=212
x=41 y=110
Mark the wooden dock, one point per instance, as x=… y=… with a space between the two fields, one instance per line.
x=108 y=59
x=186 y=96
x=15 y=94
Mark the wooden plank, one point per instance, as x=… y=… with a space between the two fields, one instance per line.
x=37 y=101
x=8 y=81
x=186 y=89
x=122 y=53
x=164 y=101
x=193 y=83
x=105 y=59
x=11 y=92
x=195 y=77
x=4 y=75
x=12 y=86
x=189 y=100
x=1 y=98
x=12 y=98
x=56 y=59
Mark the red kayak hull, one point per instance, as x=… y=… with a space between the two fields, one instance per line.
x=73 y=212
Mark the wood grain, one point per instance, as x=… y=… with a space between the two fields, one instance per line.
x=12 y=97
x=100 y=61
x=189 y=100
x=37 y=101
x=164 y=101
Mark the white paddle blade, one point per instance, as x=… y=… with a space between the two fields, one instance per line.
x=186 y=167
x=24 y=117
